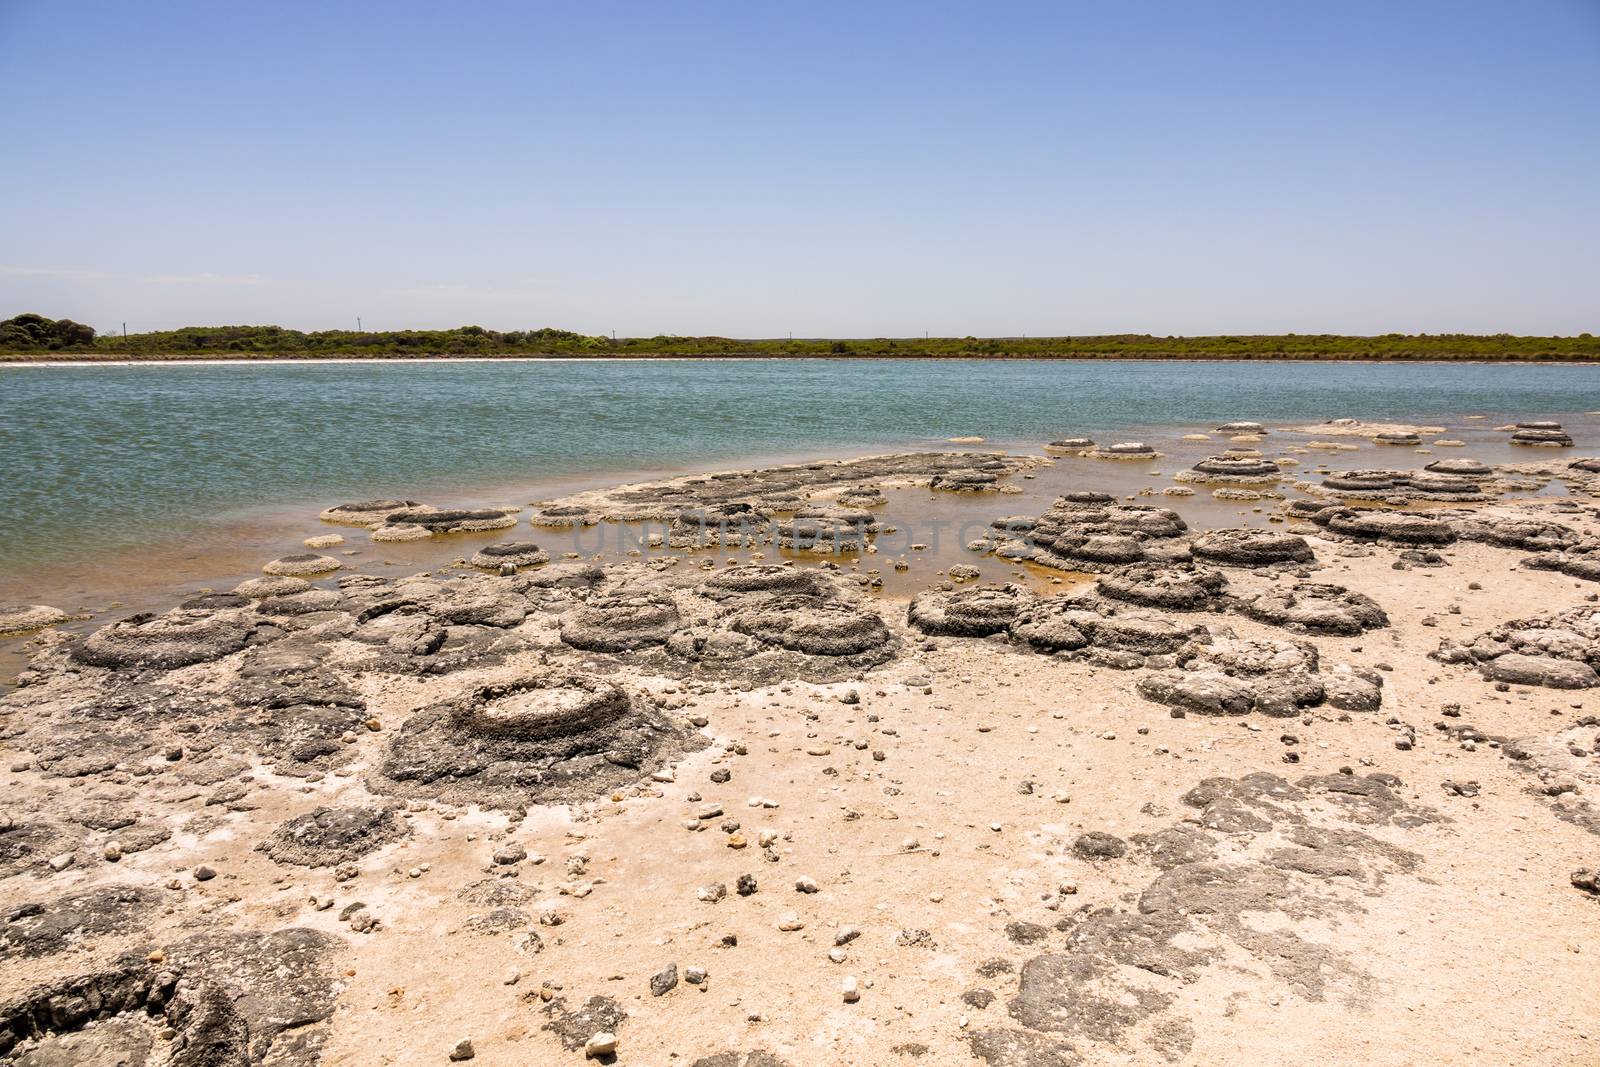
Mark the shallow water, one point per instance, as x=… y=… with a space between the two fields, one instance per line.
x=102 y=459
x=128 y=484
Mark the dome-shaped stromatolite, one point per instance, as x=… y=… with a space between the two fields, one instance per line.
x=1094 y=551
x=563 y=516
x=1429 y=486
x=620 y=622
x=1546 y=438
x=1460 y=468
x=1317 y=608
x=540 y=707
x=454 y=520
x=1232 y=470
x=1396 y=437
x=554 y=736
x=1070 y=444
x=328 y=837
x=815 y=627
x=301 y=563
x=1587 y=466
x=1233 y=676
x=1174 y=587
x=1396 y=527
x=174 y=639
x=964 y=481
x=1373 y=483
x=1054 y=624
x=1538 y=425
x=366 y=512
x=1242 y=427
x=1083 y=498
x=280 y=585
x=401 y=532
x=517 y=553
x=760 y=578
x=711 y=644
x=1124 y=450
x=20 y=618
x=968 y=612
x=1251 y=548
x=1529 y=535
x=1581 y=560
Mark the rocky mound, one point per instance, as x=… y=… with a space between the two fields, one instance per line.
x=1317 y=608
x=1581 y=561
x=453 y=520
x=1541 y=435
x=1123 y=450
x=1389 y=527
x=547 y=737
x=328 y=837
x=368 y=513
x=1527 y=534
x=1251 y=548
x=513 y=554
x=1233 y=676
x=977 y=612
x=1560 y=651
x=965 y=481
x=22 y=618
x=621 y=622
x=1170 y=587
x=1078 y=625
x=173 y=639
x=1231 y=469
x=761 y=578
x=301 y=564
x=812 y=625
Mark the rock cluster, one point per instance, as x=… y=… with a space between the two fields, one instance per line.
x=1540 y=435
x=1233 y=676
x=1560 y=651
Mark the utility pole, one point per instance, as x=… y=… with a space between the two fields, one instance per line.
x=124 y=331
x=358 y=324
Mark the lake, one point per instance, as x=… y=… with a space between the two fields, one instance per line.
x=106 y=465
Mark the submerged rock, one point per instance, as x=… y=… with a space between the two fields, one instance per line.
x=367 y=513
x=23 y=618
x=516 y=554
x=301 y=564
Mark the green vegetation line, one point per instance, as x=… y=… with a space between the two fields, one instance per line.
x=34 y=337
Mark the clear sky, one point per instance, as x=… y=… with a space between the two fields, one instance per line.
x=752 y=168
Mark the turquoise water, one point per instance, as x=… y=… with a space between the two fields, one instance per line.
x=107 y=458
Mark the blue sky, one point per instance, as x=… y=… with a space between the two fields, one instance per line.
x=756 y=168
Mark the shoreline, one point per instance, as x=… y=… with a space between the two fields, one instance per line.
x=701 y=802
x=289 y=360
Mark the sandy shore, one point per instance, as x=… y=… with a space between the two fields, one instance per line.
x=1140 y=792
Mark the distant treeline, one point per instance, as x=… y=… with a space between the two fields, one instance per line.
x=35 y=337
